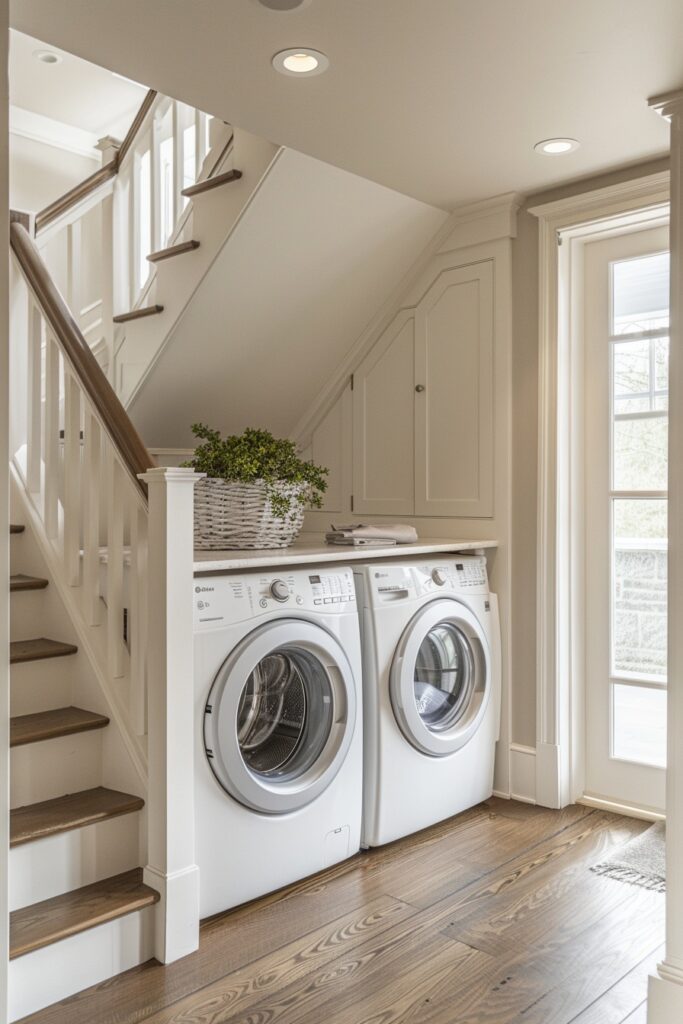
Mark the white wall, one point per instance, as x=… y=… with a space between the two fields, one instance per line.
x=40 y=173
x=4 y=523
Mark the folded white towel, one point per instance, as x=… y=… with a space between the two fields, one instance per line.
x=399 y=533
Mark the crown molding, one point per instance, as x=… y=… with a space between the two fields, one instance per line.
x=38 y=128
x=484 y=221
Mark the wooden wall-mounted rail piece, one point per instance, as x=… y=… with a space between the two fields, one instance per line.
x=110 y=170
x=107 y=405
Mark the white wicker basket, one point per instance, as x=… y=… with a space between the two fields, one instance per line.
x=237 y=515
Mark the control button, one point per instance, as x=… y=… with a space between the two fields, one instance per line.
x=299 y=599
x=328 y=600
x=318 y=600
x=279 y=590
x=439 y=577
x=263 y=602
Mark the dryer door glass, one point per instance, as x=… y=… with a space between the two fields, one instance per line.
x=444 y=677
x=284 y=715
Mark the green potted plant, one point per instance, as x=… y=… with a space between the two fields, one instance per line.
x=255 y=491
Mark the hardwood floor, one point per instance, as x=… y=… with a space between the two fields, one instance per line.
x=490 y=918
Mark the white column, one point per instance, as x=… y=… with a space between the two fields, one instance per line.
x=665 y=995
x=171 y=868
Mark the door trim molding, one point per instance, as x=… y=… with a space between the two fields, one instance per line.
x=564 y=226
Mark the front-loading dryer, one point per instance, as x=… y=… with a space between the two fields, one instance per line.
x=431 y=668
x=278 y=737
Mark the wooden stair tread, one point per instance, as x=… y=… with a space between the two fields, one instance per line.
x=48 y=725
x=36 y=650
x=172 y=250
x=16 y=528
x=64 y=813
x=209 y=183
x=138 y=314
x=61 y=916
x=21 y=582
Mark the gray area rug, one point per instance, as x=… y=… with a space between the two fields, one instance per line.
x=641 y=861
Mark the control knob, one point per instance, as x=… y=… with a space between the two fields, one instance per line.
x=439 y=577
x=279 y=590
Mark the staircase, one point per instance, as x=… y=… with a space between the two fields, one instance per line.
x=74 y=842
x=101 y=859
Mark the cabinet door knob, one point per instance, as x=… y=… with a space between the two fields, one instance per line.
x=419 y=387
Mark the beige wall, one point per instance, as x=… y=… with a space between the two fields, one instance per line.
x=525 y=442
x=39 y=173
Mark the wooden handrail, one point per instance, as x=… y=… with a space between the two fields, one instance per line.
x=113 y=416
x=110 y=170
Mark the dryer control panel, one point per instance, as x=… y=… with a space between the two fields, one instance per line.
x=388 y=583
x=224 y=600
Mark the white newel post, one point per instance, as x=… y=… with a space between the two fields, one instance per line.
x=665 y=995
x=171 y=868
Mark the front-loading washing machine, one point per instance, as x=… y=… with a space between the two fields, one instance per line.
x=278 y=738
x=431 y=668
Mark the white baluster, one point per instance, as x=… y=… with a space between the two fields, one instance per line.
x=199 y=147
x=72 y=479
x=34 y=397
x=51 y=441
x=137 y=616
x=92 y=447
x=107 y=281
x=115 y=525
x=177 y=163
x=155 y=185
x=73 y=270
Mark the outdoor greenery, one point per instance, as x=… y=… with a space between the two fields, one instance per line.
x=257 y=457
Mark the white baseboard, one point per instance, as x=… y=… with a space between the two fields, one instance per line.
x=628 y=810
x=523 y=773
x=665 y=996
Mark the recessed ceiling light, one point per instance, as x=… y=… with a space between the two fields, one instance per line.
x=556 y=147
x=300 y=62
x=283 y=5
x=47 y=57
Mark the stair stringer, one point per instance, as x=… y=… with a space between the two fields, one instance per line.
x=213 y=218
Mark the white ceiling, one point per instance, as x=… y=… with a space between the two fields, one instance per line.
x=440 y=99
x=75 y=93
x=288 y=296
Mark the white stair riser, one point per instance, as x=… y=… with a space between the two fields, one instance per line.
x=42 y=771
x=42 y=685
x=64 y=968
x=27 y=609
x=55 y=865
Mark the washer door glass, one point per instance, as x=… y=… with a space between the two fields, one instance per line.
x=280 y=716
x=444 y=676
x=284 y=716
x=441 y=677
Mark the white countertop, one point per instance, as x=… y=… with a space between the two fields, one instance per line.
x=311 y=548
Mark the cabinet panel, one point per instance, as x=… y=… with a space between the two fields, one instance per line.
x=330 y=447
x=454 y=412
x=383 y=428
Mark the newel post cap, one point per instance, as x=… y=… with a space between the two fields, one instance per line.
x=170 y=475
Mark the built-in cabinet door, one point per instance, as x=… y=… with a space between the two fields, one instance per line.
x=383 y=428
x=454 y=394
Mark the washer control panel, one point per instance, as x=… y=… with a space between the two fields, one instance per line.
x=395 y=582
x=223 y=600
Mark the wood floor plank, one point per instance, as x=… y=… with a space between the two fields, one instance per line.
x=505 y=875
x=625 y=998
x=529 y=909
x=237 y=993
